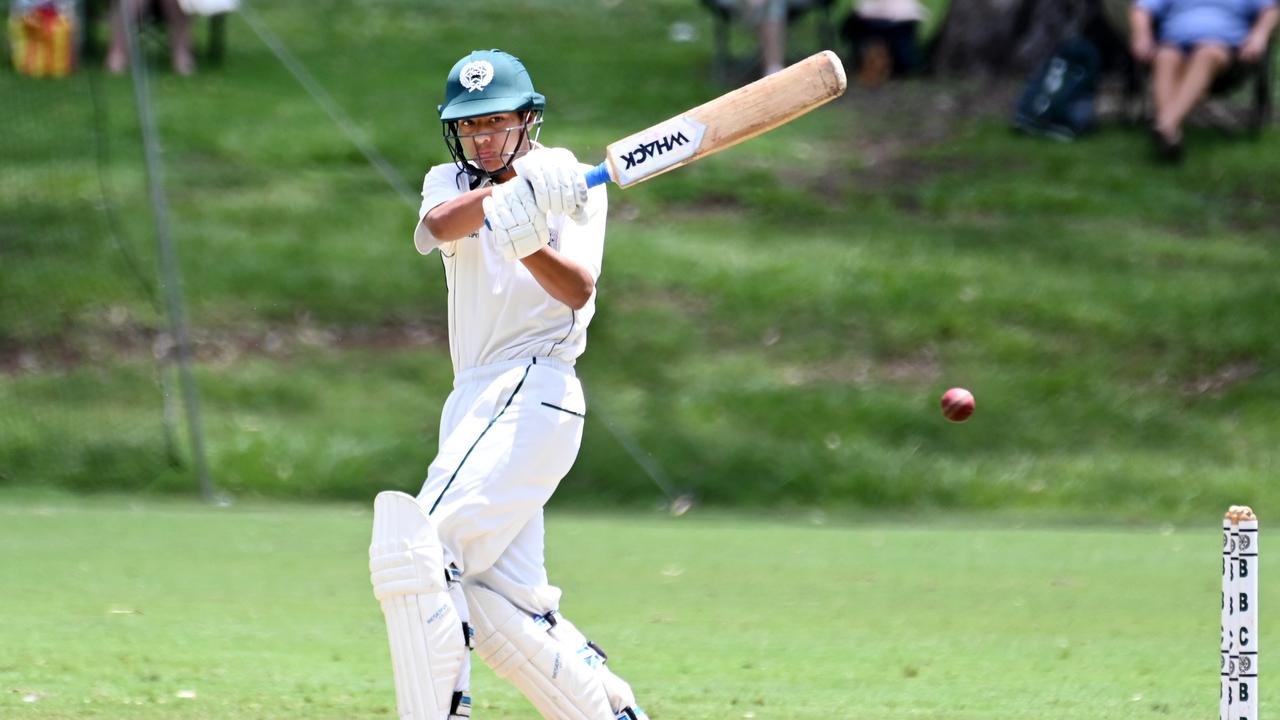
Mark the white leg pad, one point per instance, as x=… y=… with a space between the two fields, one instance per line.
x=521 y=651
x=406 y=566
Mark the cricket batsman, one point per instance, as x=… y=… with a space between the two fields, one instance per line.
x=461 y=566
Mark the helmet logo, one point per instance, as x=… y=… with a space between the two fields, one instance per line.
x=476 y=75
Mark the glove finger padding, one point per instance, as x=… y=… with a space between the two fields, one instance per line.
x=573 y=183
x=578 y=185
x=518 y=198
x=524 y=200
x=558 y=183
x=568 y=194
x=537 y=181
x=549 y=178
x=532 y=168
x=556 y=190
x=499 y=219
x=497 y=215
x=519 y=228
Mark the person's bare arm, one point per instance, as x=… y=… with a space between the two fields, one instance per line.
x=1255 y=45
x=457 y=218
x=562 y=278
x=1142 y=42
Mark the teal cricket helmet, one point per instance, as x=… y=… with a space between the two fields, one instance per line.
x=487 y=82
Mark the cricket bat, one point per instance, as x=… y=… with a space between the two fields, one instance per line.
x=723 y=122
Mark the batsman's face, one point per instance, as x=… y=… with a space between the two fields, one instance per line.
x=492 y=141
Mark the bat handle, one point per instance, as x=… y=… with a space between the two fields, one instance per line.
x=598 y=175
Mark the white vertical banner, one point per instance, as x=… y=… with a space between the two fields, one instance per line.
x=1233 y=592
x=1246 y=639
x=1226 y=633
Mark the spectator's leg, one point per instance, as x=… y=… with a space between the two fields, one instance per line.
x=773 y=36
x=1204 y=64
x=184 y=62
x=1167 y=70
x=117 y=60
x=906 y=58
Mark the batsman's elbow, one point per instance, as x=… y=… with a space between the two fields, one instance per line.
x=580 y=296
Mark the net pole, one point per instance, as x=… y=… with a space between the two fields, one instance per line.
x=170 y=273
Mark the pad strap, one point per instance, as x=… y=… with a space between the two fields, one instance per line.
x=461 y=706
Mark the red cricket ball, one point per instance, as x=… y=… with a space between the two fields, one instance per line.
x=957 y=404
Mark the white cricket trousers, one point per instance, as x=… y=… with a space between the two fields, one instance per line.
x=509 y=433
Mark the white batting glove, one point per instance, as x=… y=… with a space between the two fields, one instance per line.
x=558 y=182
x=519 y=226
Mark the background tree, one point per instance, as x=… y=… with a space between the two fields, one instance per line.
x=1001 y=37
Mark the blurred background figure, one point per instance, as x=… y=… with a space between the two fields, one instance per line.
x=176 y=20
x=770 y=17
x=42 y=37
x=1189 y=44
x=882 y=35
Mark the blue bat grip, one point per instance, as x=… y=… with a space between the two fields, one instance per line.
x=598 y=175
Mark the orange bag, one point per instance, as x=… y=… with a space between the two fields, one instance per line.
x=43 y=37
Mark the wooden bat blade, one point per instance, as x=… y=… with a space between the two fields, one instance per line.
x=725 y=121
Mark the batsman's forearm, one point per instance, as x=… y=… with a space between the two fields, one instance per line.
x=457 y=218
x=562 y=278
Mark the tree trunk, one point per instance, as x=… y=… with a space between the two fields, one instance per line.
x=1002 y=37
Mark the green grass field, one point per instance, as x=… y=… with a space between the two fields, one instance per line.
x=124 y=608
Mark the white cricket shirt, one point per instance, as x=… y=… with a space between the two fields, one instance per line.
x=497 y=310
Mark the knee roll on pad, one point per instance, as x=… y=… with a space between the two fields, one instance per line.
x=559 y=672
x=406 y=567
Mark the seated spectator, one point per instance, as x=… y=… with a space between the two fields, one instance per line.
x=883 y=38
x=179 y=25
x=1189 y=43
